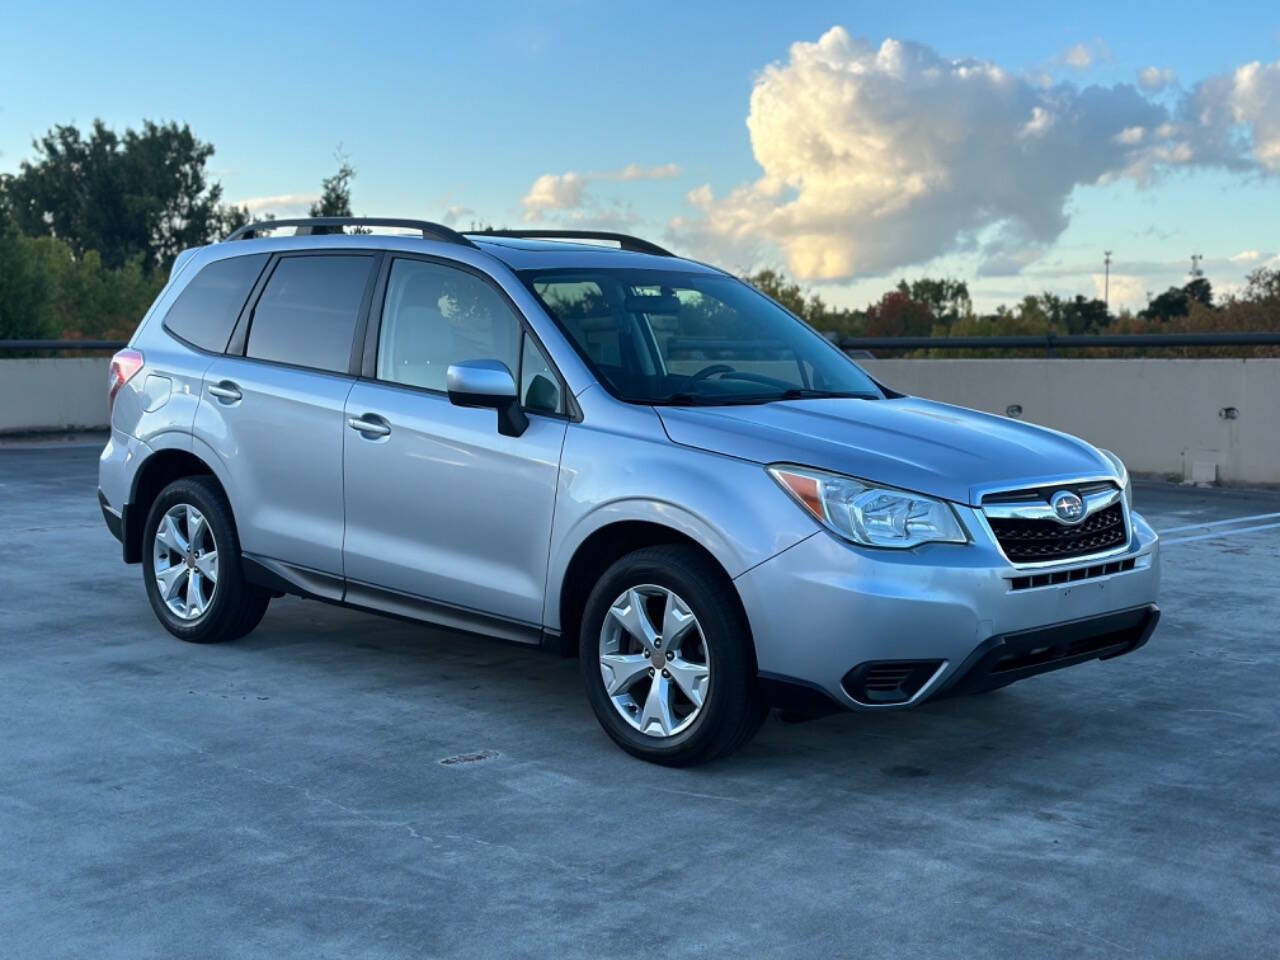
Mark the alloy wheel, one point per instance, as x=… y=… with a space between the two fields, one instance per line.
x=654 y=660
x=186 y=562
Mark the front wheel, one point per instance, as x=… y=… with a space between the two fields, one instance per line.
x=667 y=658
x=191 y=565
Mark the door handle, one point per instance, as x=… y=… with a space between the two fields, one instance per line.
x=226 y=392
x=369 y=425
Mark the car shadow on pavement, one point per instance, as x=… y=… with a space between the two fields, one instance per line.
x=1082 y=723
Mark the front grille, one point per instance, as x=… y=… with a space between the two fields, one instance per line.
x=1037 y=541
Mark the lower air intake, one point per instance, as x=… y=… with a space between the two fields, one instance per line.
x=880 y=682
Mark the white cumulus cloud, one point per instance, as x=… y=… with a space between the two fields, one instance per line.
x=1155 y=79
x=877 y=157
x=568 y=191
x=1082 y=56
x=635 y=171
x=280 y=203
x=554 y=191
x=1078 y=56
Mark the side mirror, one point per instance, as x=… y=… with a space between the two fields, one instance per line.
x=488 y=383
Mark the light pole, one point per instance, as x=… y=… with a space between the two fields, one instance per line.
x=1106 y=283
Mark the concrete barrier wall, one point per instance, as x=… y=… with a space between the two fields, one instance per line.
x=1161 y=415
x=66 y=393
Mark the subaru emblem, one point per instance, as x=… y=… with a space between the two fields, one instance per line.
x=1067 y=506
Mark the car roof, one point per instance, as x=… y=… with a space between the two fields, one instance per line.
x=527 y=254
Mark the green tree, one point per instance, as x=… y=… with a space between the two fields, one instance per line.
x=1199 y=291
x=947 y=300
x=26 y=287
x=1262 y=284
x=335 y=192
x=899 y=315
x=1176 y=301
x=778 y=287
x=144 y=193
x=97 y=302
x=1075 y=316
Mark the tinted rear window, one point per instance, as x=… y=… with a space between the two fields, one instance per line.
x=307 y=313
x=206 y=310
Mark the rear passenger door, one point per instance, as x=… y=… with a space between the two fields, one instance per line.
x=272 y=408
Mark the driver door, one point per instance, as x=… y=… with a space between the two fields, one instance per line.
x=441 y=507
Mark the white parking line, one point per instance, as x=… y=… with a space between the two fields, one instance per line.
x=1220 y=533
x=1220 y=523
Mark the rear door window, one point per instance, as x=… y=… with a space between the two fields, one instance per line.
x=307 y=313
x=206 y=310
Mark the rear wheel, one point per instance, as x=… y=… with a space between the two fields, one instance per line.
x=667 y=658
x=191 y=565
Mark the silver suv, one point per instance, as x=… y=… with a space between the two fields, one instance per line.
x=605 y=450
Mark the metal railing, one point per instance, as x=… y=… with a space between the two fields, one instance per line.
x=61 y=346
x=1049 y=342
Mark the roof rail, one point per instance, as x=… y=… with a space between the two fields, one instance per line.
x=307 y=226
x=625 y=241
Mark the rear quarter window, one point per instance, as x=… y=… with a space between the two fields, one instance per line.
x=206 y=310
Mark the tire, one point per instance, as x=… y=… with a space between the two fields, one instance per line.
x=719 y=639
x=224 y=606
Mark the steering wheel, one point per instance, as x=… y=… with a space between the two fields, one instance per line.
x=708 y=371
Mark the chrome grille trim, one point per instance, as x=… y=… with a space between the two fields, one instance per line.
x=1035 y=506
x=1041 y=510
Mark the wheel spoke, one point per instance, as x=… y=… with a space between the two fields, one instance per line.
x=169 y=580
x=207 y=564
x=676 y=621
x=195 y=527
x=195 y=600
x=691 y=678
x=621 y=670
x=170 y=536
x=630 y=612
x=657 y=717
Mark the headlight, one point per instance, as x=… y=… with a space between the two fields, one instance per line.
x=866 y=514
x=1125 y=480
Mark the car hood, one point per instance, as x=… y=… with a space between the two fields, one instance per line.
x=907 y=442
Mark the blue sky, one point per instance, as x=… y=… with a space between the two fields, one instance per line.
x=456 y=110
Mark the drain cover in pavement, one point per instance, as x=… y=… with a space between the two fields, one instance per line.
x=469 y=758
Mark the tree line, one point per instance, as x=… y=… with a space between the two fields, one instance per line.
x=90 y=226
x=943 y=308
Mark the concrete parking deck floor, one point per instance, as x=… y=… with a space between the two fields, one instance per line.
x=285 y=796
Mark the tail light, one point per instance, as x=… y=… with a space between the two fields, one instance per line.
x=123 y=366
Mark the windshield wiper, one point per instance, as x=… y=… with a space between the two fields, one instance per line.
x=705 y=400
x=795 y=393
x=805 y=393
x=683 y=400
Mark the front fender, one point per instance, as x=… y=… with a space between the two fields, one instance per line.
x=729 y=506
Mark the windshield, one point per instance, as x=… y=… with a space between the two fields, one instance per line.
x=667 y=337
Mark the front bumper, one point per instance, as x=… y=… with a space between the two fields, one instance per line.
x=832 y=618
